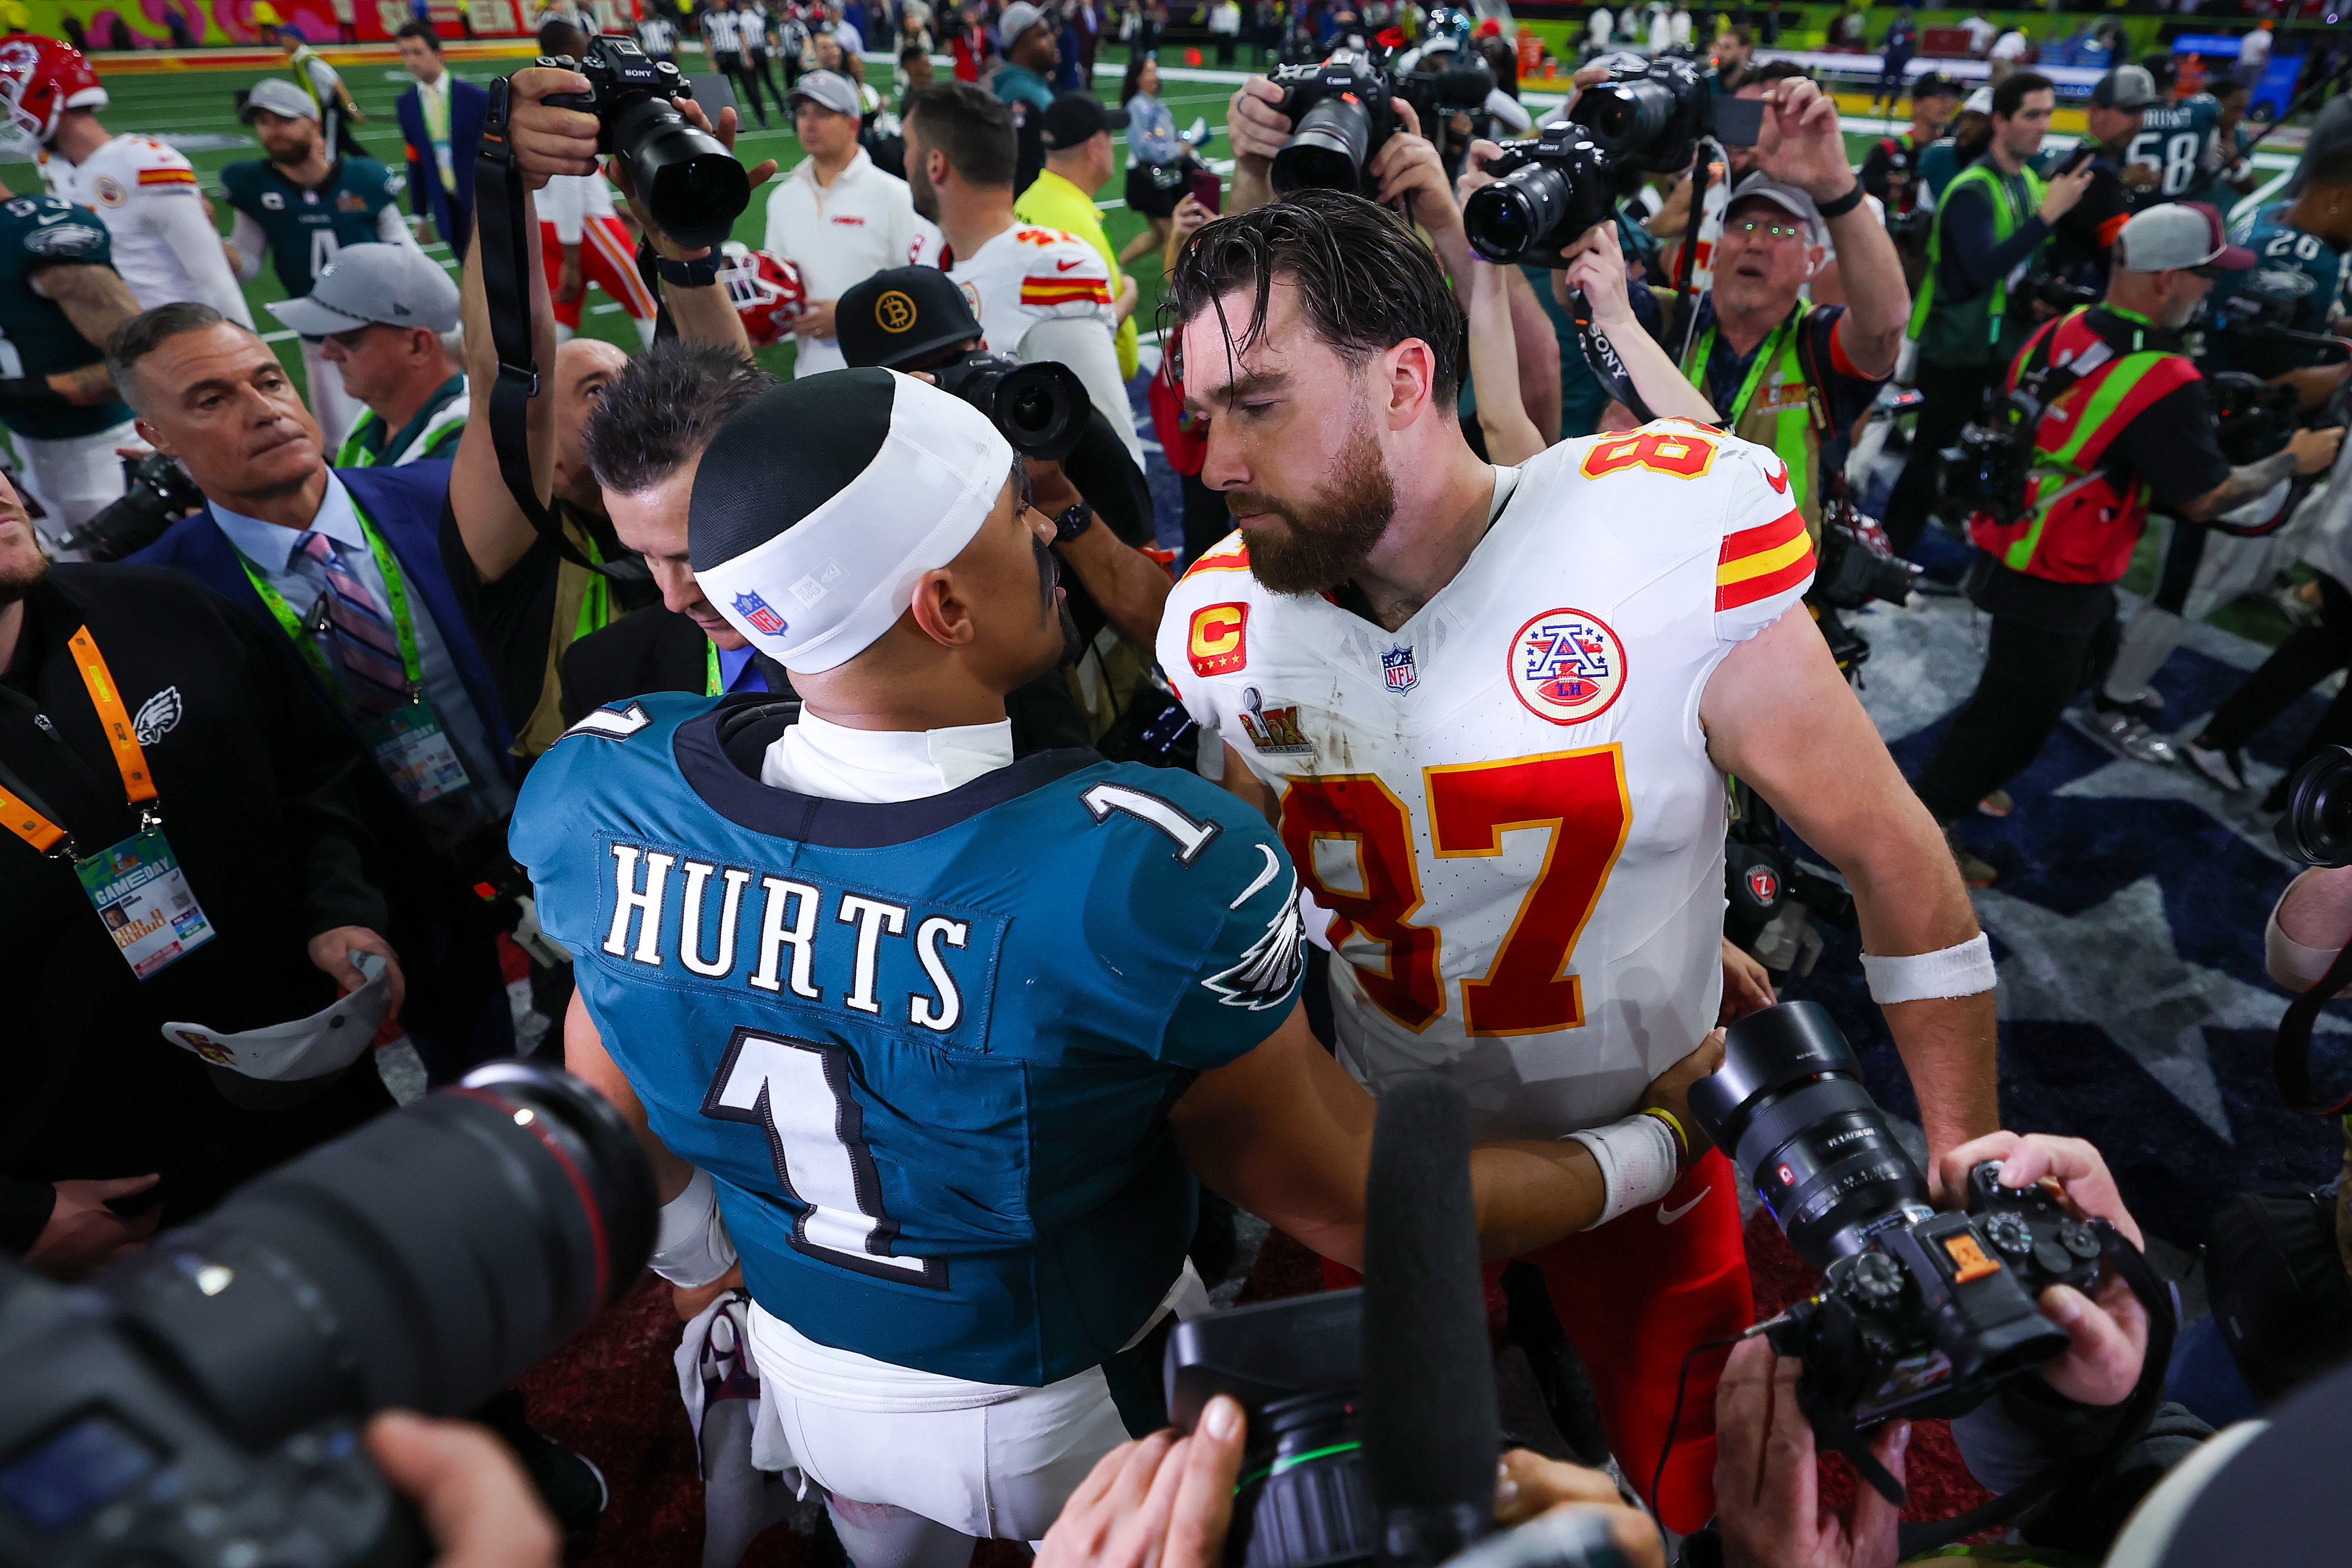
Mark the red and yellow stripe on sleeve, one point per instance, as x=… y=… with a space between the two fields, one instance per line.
x=167 y=176
x=1758 y=562
x=1064 y=290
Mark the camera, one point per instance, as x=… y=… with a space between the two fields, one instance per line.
x=1918 y=1313
x=1990 y=468
x=200 y=1402
x=1856 y=564
x=2252 y=417
x=1041 y=408
x=1645 y=120
x=156 y=493
x=694 y=187
x=1548 y=192
x=2316 y=826
x=1340 y=115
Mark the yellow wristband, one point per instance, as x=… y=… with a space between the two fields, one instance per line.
x=1682 y=1139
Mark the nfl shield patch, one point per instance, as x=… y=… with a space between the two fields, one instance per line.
x=1398 y=666
x=754 y=609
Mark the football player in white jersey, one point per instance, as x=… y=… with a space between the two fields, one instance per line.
x=164 y=246
x=1490 y=710
x=1040 y=294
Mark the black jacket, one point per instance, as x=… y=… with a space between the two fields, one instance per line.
x=252 y=772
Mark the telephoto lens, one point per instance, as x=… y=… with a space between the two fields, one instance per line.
x=425 y=1260
x=1789 y=1106
x=1626 y=116
x=1040 y=408
x=2316 y=826
x=694 y=187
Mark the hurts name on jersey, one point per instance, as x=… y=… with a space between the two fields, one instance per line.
x=695 y=920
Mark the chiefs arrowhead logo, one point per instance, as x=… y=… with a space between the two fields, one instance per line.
x=1777 y=478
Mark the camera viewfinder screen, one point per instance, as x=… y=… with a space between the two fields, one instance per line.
x=53 y=1485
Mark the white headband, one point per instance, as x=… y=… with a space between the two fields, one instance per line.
x=826 y=589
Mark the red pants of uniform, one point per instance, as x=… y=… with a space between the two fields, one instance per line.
x=1634 y=1296
x=608 y=258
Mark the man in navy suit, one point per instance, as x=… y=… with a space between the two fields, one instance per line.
x=441 y=122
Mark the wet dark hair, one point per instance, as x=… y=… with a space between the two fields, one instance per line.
x=1366 y=280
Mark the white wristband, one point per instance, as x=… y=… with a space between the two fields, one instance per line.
x=691 y=1246
x=1961 y=971
x=1639 y=1161
x=2292 y=964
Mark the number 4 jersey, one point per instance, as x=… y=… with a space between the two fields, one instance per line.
x=1507 y=803
x=926 y=1050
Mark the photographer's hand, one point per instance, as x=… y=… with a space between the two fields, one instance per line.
x=1800 y=143
x=2064 y=192
x=2109 y=1334
x=478 y=1507
x=549 y=141
x=1768 y=1483
x=1162 y=1501
x=1529 y=1486
x=1598 y=268
x=1258 y=128
x=1408 y=171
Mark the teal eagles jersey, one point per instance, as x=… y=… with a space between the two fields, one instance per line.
x=37 y=232
x=2297 y=279
x=305 y=226
x=926 y=1050
x=2177 y=136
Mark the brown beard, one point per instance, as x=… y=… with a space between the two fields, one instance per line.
x=1328 y=538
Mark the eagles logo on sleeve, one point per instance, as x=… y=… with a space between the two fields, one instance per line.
x=1269 y=967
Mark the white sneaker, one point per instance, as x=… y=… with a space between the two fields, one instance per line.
x=2128 y=735
x=2224 y=766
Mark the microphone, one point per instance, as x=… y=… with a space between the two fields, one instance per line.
x=1431 y=1428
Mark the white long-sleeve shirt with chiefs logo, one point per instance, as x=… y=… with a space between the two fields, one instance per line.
x=1506 y=804
x=164 y=246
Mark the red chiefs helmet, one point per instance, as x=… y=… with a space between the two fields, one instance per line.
x=766 y=291
x=40 y=79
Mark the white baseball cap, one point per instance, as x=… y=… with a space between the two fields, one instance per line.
x=828 y=89
x=326 y=1042
x=1018 y=18
x=2178 y=237
x=277 y=96
x=1978 y=102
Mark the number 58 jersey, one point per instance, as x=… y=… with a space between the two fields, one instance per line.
x=927 y=1049
x=1506 y=804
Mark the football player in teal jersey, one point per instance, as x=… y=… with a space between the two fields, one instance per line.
x=61 y=298
x=2302 y=255
x=2181 y=137
x=933 y=1041
x=298 y=207
x=2231 y=176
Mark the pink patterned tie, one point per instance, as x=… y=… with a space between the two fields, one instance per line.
x=367 y=649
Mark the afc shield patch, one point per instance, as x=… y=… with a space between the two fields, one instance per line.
x=1218 y=642
x=1567 y=666
x=763 y=619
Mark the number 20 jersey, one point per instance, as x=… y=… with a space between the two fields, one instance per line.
x=1506 y=804
x=926 y=1050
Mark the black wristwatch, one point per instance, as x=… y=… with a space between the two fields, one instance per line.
x=1073 y=522
x=1840 y=206
x=686 y=274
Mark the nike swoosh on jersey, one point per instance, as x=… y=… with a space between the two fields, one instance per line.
x=1668 y=1216
x=1068 y=262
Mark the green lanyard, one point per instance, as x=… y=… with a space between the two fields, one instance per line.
x=300 y=631
x=710 y=684
x=1764 y=357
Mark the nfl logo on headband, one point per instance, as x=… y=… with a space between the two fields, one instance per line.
x=755 y=610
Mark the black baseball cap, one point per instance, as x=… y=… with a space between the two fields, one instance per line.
x=899 y=315
x=1074 y=116
x=1935 y=84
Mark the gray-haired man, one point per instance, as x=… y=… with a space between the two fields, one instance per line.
x=386 y=318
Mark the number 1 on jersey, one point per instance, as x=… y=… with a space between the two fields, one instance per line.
x=1579 y=796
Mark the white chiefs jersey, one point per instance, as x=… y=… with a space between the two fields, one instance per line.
x=1026 y=275
x=138 y=187
x=1506 y=804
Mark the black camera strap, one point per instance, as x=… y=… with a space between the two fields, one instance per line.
x=1600 y=355
x=1678 y=335
x=2291 y=1047
x=498 y=230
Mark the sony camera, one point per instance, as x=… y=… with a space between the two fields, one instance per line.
x=1918 y=1313
x=1856 y=564
x=694 y=187
x=1040 y=408
x=156 y=493
x=201 y=1401
x=1341 y=114
x=1645 y=120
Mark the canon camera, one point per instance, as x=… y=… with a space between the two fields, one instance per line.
x=200 y=1402
x=693 y=186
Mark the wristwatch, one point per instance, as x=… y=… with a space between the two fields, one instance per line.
x=687 y=274
x=1073 y=522
x=1839 y=206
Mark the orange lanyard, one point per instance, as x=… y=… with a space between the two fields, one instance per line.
x=28 y=823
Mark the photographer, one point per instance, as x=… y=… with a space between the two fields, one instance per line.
x=1891 y=169
x=2083 y=237
x=2134 y=422
x=531 y=601
x=1787 y=375
x=1990 y=220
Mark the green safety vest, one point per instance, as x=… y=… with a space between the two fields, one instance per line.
x=429 y=434
x=1968 y=332
x=1782 y=418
